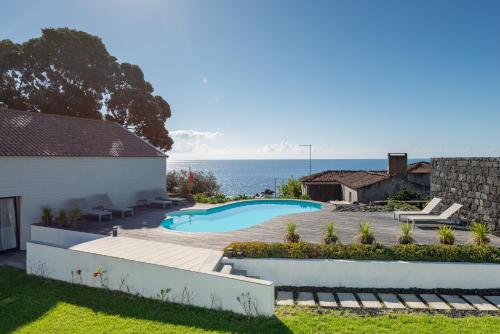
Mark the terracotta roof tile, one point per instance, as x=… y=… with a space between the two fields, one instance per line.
x=421 y=167
x=24 y=133
x=352 y=179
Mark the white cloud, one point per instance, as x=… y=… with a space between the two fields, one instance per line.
x=193 y=134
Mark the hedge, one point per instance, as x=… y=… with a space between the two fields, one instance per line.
x=413 y=252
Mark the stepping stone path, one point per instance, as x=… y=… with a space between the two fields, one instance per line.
x=412 y=301
x=479 y=303
x=326 y=299
x=347 y=300
x=457 y=303
x=306 y=299
x=423 y=301
x=368 y=300
x=285 y=298
x=494 y=299
x=434 y=301
x=391 y=301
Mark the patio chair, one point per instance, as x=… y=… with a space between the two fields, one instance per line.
x=163 y=195
x=147 y=197
x=425 y=211
x=103 y=202
x=87 y=210
x=442 y=218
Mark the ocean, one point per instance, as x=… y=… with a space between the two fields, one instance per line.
x=254 y=176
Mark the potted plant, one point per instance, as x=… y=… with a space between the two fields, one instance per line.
x=446 y=235
x=74 y=216
x=365 y=234
x=46 y=215
x=480 y=233
x=291 y=235
x=62 y=217
x=405 y=237
x=330 y=237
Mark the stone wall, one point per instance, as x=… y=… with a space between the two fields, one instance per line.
x=472 y=182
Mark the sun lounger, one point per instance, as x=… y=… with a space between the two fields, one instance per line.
x=103 y=202
x=443 y=217
x=163 y=195
x=425 y=211
x=147 y=197
x=87 y=210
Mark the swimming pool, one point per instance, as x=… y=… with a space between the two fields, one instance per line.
x=234 y=216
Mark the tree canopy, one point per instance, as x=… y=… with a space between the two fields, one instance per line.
x=70 y=72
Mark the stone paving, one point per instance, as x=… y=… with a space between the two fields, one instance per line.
x=391 y=301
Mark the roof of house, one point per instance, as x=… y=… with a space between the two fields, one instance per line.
x=352 y=179
x=25 y=133
x=422 y=167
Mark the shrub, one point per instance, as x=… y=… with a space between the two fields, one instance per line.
x=365 y=234
x=410 y=252
x=446 y=235
x=330 y=236
x=62 y=217
x=480 y=233
x=203 y=182
x=394 y=205
x=291 y=189
x=291 y=235
x=404 y=195
x=46 y=215
x=405 y=236
x=241 y=197
x=74 y=215
x=216 y=199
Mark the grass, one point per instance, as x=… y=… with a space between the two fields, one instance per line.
x=33 y=305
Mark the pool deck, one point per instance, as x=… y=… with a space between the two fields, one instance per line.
x=145 y=224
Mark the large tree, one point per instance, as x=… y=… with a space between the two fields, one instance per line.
x=70 y=72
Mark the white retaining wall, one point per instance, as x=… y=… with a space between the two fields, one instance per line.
x=210 y=290
x=60 y=237
x=372 y=274
x=52 y=181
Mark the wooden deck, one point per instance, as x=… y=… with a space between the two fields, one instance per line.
x=145 y=224
x=160 y=253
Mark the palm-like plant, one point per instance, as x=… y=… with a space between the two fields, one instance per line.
x=62 y=217
x=480 y=233
x=330 y=237
x=46 y=215
x=446 y=235
x=405 y=237
x=291 y=234
x=365 y=234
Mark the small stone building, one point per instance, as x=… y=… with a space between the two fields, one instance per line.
x=368 y=186
x=472 y=182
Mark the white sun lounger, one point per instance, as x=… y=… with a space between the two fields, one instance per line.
x=443 y=217
x=163 y=195
x=425 y=211
x=87 y=210
x=103 y=202
x=147 y=197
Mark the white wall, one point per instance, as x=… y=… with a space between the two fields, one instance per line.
x=372 y=274
x=210 y=290
x=345 y=194
x=60 y=237
x=52 y=181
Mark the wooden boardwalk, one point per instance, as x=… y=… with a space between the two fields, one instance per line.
x=146 y=224
x=160 y=253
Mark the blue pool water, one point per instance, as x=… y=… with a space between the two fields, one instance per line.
x=234 y=216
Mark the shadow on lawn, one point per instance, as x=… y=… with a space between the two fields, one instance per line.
x=24 y=299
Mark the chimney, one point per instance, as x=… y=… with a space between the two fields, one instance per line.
x=398 y=164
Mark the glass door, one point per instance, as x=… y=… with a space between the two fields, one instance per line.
x=8 y=224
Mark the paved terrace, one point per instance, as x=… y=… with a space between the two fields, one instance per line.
x=145 y=224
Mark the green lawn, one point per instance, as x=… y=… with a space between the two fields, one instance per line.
x=33 y=305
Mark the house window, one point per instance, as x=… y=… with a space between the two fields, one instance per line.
x=9 y=232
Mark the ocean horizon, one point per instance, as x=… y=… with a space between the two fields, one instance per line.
x=252 y=176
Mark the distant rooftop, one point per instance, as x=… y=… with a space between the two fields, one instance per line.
x=25 y=133
x=422 y=167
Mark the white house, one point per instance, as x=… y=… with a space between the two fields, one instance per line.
x=46 y=160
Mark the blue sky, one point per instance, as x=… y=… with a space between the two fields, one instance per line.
x=254 y=79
